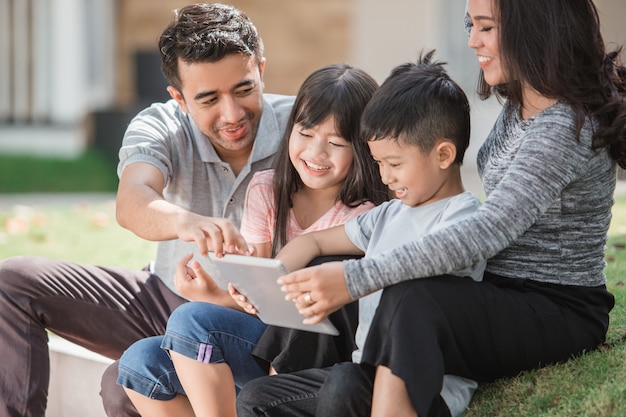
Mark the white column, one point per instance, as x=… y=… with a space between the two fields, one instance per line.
x=21 y=69
x=68 y=63
x=5 y=62
x=41 y=59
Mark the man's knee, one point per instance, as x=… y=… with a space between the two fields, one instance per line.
x=13 y=270
x=114 y=399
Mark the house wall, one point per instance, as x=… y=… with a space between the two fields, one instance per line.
x=299 y=36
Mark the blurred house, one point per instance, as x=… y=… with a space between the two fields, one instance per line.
x=72 y=72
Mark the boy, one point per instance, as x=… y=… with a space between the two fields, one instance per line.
x=417 y=126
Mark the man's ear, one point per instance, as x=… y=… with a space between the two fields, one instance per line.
x=178 y=96
x=261 y=71
x=446 y=153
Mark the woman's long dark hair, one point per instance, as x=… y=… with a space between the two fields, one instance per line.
x=340 y=91
x=557 y=48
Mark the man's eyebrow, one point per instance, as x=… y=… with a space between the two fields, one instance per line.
x=204 y=94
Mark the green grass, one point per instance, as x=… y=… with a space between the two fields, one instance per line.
x=84 y=232
x=91 y=172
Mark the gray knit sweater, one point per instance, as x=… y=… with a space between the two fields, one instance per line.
x=546 y=216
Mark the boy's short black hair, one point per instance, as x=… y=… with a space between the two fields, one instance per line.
x=419 y=104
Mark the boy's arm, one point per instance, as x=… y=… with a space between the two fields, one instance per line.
x=300 y=251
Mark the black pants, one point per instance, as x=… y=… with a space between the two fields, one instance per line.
x=426 y=328
x=102 y=309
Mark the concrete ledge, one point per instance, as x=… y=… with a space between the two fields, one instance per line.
x=75 y=375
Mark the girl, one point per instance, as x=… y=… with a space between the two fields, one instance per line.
x=323 y=176
x=549 y=171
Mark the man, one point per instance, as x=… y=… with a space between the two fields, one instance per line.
x=184 y=168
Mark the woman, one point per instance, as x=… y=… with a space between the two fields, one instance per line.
x=548 y=168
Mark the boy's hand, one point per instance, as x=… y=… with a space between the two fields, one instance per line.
x=241 y=300
x=317 y=291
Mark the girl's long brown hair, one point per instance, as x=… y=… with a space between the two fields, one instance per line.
x=340 y=91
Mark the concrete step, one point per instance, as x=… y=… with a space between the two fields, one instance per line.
x=75 y=375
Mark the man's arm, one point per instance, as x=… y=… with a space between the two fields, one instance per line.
x=142 y=209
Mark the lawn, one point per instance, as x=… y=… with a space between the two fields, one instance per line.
x=91 y=171
x=593 y=384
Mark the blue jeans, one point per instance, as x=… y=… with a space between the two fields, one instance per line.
x=204 y=332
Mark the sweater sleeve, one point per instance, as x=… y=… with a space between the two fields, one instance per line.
x=548 y=158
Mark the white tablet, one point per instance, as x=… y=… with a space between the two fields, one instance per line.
x=256 y=279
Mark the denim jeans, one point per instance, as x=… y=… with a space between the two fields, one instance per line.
x=204 y=332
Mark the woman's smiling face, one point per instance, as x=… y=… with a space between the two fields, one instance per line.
x=484 y=38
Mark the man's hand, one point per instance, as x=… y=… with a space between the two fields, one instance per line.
x=211 y=233
x=317 y=291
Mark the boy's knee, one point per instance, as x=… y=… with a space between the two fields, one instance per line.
x=250 y=398
x=347 y=390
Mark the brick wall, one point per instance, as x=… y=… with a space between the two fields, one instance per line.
x=299 y=35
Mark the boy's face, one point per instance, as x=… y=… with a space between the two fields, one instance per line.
x=417 y=178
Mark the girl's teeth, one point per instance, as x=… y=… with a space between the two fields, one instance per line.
x=316 y=167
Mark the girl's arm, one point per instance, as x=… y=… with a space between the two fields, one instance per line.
x=262 y=250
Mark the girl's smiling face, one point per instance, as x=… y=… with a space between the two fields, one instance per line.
x=484 y=38
x=321 y=156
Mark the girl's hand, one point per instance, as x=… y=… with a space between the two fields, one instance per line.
x=241 y=300
x=317 y=291
x=193 y=282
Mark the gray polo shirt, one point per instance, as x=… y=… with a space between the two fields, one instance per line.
x=195 y=177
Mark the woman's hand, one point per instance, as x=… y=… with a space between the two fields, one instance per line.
x=317 y=291
x=241 y=300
